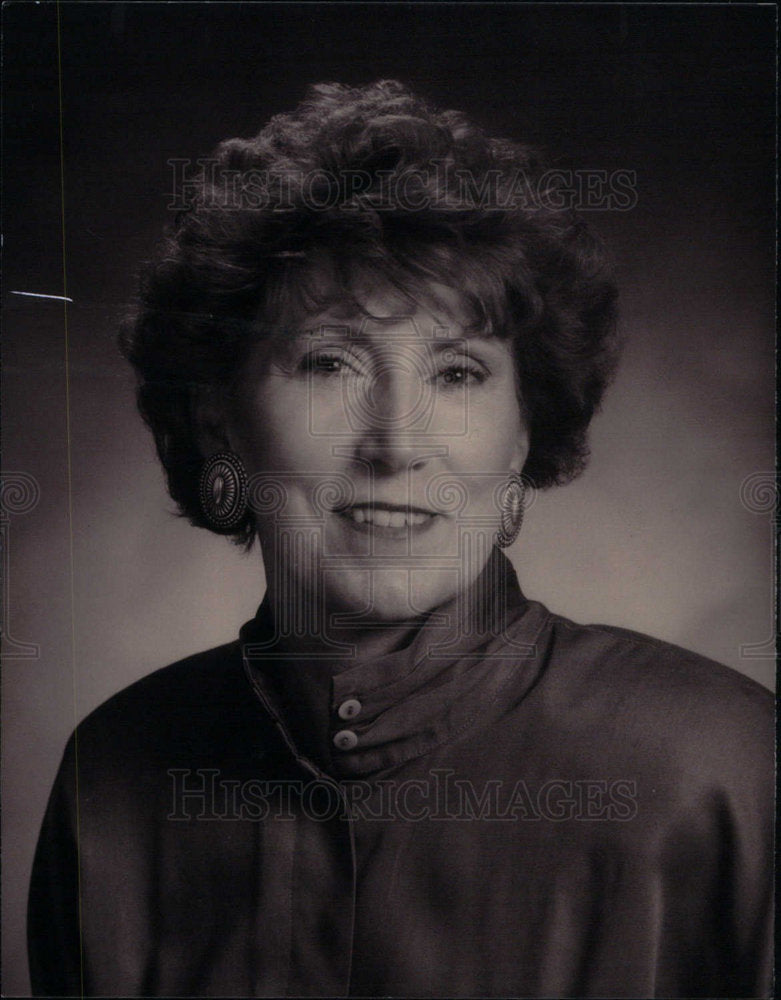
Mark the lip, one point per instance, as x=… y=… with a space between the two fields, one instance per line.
x=430 y=518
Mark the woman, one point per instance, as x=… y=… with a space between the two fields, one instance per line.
x=372 y=329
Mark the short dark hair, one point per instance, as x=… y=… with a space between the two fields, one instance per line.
x=373 y=179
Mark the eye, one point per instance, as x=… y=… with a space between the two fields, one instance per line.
x=327 y=363
x=461 y=374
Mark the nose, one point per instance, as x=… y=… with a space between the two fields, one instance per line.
x=391 y=417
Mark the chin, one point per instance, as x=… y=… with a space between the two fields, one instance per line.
x=390 y=595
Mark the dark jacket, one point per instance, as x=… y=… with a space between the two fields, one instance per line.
x=539 y=809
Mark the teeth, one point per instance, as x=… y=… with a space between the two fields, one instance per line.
x=386 y=518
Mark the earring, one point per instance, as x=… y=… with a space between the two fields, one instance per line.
x=512 y=512
x=223 y=491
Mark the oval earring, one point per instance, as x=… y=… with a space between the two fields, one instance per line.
x=223 y=491
x=512 y=511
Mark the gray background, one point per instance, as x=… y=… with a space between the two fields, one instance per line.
x=110 y=585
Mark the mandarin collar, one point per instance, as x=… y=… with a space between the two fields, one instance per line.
x=348 y=718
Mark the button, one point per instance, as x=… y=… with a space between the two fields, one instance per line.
x=345 y=739
x=349 y=709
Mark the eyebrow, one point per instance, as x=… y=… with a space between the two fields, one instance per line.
x=434 y=346
x=348 y=333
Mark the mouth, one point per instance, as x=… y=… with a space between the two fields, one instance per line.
x=386 y=517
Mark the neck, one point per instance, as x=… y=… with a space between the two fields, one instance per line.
x=339 y=645
x=302 y=622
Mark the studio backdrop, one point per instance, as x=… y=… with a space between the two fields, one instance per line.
x=660 y=121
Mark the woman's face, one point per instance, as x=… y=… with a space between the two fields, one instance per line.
x=377 y=450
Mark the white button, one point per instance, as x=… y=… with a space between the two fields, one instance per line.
x=349 y=709
x=345 y=739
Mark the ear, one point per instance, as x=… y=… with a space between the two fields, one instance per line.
x=207 y=407
x=521 y=449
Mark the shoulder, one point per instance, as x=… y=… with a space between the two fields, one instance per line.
x=207 y=674
x=658 y=698
x=612 y=642
x=636 y=665
x=186 y=709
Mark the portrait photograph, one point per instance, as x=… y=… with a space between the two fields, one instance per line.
x=389 y=501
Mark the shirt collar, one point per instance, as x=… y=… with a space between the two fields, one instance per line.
x=353 y=718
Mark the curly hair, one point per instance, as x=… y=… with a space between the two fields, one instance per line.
x=373 y=180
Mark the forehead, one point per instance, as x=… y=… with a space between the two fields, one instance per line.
x=377 y=312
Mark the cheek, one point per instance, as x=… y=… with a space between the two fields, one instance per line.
x=496 y=438
x=275 y=432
